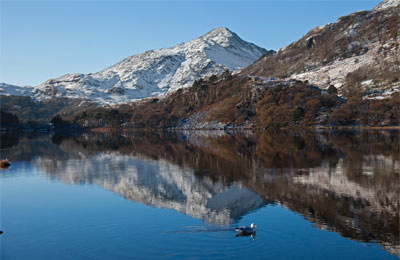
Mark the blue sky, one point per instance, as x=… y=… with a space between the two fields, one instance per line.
x=40 y=40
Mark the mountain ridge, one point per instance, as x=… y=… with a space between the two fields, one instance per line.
x=152 y=73
x=358 y=51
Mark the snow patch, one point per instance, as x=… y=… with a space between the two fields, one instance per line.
x=335 y=73
x=387 y=4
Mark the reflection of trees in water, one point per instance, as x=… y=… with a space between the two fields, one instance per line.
x=366 y=208
x=8 y=140
x=371 y=157
x=25 y=147
x=288 y=150
x=347 y=182
x=268 y=163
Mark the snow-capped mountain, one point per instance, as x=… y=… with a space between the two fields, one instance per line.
x=358 y=51
x=153 y=73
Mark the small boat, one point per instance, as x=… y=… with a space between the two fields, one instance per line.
x=5 y=163
x=246 y=231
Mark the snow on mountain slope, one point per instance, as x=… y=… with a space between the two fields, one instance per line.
x=156 y=72
x=386 y=4
x=157 y=183
x=9 y=89
x=336 y=73
x=357 y=52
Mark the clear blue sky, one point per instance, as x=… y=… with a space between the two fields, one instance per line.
x=40 y=40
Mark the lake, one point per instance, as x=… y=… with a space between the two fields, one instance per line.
x=179 y=195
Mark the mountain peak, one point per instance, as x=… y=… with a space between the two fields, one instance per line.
x=223 y=30
x=218 y=34
x=386 y=4
x=156 y=72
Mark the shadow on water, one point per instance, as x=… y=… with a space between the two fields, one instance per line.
x=342 y=181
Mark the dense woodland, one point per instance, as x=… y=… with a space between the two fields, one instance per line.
x=241 y=101
x=8 y=118
x=231 y=101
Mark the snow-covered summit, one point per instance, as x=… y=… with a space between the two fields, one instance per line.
x=156 y=72
x=386 y=4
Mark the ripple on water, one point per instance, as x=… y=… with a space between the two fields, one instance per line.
x=194 y=242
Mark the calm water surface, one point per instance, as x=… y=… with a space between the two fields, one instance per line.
x=325 y=195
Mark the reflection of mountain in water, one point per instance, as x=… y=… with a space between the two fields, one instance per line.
x=157 y=183
x=344 y=182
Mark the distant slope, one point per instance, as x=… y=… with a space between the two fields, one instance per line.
x=13 y=90
x=28 y=109
x=359 y=51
